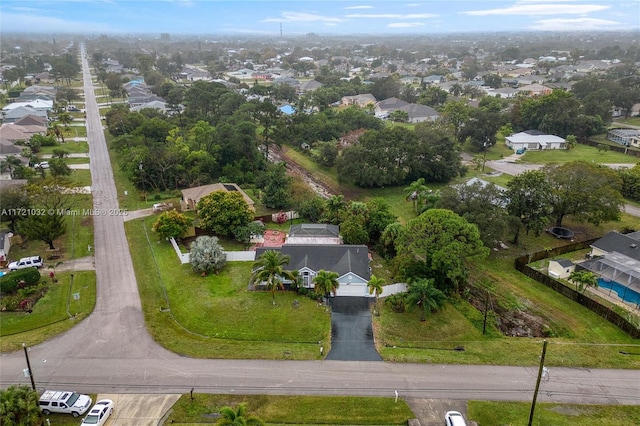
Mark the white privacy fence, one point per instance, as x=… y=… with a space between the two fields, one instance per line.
x=390 y=289
x=232 y=256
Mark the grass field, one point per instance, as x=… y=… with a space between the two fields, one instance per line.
x=217 y=317
x=517 y=414
x=294 y=410
x=55 y=313
x=70 y=146
x=578 y=153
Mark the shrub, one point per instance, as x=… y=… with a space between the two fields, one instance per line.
x=9 y=283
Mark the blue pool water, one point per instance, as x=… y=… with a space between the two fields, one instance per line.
x=625 y=293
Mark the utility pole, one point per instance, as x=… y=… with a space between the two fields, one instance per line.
x=26 y=355
x=535 y=392
x=486 y=308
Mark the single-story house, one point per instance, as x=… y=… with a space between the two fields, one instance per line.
x=561 y=268
x=314 y=234
x=626 y=137
x=419 y=113
x=309 y=86
x=191 y=196
x=157 y=104
x=32 y=120
x=15 y=114
x=350 y=262
x=534 y=140
x=361 y=100
x=387 y=106
x=616 y=257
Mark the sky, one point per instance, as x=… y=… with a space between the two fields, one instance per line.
x=265 y=18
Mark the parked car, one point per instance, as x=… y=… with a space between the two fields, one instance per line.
x=73 y=108
x=454 y=418
x=26 y=262
x=99 y=414
x=66 y=402
x=42 y=165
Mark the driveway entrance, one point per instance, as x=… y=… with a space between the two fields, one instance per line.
x=351 y=330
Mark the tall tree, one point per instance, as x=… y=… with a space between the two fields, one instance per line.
x=528 y=201
x=437 y=244
x=588 y=192
x=207 y=255
x=14 y=201
x=269 y=271
x=223 y=211
x=325 y=283
x=424 y=293
x=376 y=287
x=51 y=197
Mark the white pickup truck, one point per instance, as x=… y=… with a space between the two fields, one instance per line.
x=26 y=262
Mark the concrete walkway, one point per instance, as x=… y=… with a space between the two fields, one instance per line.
x=430 y=412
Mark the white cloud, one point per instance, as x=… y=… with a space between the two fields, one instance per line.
x=405 y=25
x=393 y=16
x=303 y=17
x=357 y=7
x=581 y=24
x=18 y=22
x=546 y=8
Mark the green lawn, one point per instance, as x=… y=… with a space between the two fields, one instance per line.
x=55 y=313
x=70 y=146
x=215 y=316
x=579 y=152
x=296 y=410
x=517 y=414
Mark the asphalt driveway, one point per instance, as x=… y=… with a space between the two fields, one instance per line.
x=351 y=330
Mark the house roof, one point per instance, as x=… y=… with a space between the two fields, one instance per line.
x=310 y=85
x=534 y=136
x=11 y=133
x=391 y=104
x=418 y=110
x=23 y=111
x=31 y=120
x=565 y=263
x=36 y=104
x=198 y=192
x=625 y=244
x=340 y=259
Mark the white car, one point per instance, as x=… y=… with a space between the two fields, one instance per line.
x=454 y=418
x=26 y=262
x=99 y=413
x=43 y=165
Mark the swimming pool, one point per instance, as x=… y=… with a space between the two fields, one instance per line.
x=625 y=293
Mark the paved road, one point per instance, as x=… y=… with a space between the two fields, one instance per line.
x=514 y=169
x=111 y=351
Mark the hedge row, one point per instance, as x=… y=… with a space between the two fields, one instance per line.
x=9 y=283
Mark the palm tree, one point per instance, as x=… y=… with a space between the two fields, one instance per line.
x=269 y=270
x=375 y=286
x=423 y=292
x=238 y=417
x=583 y=279
x=19 y=406
x=326 y=282
x=333 y=208
x=415 y=192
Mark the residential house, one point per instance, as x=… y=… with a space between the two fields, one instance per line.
x=502 y=92
x=309 y=86
x=350 y=262
x=561 y=268
x=15 y=114
x=32 y=120
x=534 y=140
x=626 y=137
x=535 y=89
x=362 y=100
x=616 y=257
x=157 y=104
x=191 y=196
x=387 y=106
x=419 y=113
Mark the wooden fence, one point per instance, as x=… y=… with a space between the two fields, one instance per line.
x=521 y=264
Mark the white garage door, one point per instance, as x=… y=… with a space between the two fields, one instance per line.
x=352 y=290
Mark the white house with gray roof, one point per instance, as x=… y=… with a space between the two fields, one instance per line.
x=534 y=140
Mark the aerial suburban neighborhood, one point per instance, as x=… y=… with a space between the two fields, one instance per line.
x=225 y=227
